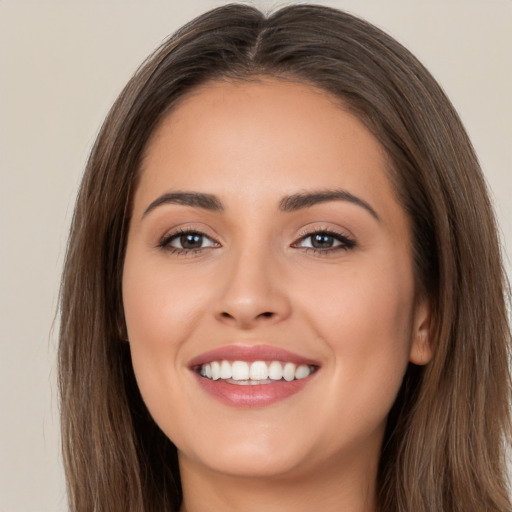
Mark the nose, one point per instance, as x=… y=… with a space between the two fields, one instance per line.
x=254 y=292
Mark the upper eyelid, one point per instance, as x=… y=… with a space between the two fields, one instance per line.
x=347 y=241
x=164 y=242
x=189 y=229
x=342 y=236
x=331 y=231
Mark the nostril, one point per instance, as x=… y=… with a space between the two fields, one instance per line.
x=267 y=314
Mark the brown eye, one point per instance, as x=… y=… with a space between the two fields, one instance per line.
x=322 y=241
x=187 y=241
x=190 y=241
x=325 y=241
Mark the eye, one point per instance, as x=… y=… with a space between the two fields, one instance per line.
x=325 y=241
x=187 y=241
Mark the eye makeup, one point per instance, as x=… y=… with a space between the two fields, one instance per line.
x=320 y=241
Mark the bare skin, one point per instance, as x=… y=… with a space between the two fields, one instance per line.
x=242 y=260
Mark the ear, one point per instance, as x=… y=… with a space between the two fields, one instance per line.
x=421 y=346
x=122 y=331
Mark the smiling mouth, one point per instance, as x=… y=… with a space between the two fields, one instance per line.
x=245 y=373
x=260 y=375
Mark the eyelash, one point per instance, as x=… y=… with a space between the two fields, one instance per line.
x=346 y=243
x=166 y=241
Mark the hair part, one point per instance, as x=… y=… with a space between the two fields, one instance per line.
x=444 y=445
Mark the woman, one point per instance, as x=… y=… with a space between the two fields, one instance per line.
x=283 y=285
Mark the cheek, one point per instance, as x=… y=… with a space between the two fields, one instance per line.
x=161 y=305
x=372 y=304
x=161 y=310
x=364 y=317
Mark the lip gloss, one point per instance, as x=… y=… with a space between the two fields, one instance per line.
x=251 y=393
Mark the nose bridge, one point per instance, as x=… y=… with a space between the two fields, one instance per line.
x=253 y=290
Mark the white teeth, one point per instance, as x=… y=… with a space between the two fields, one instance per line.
x=289 y=372
x=255 y=372
x=302 y=371
x=258 y=371
x=240 y=370
x=225 y=370
x=215 y=370
x=275 y=370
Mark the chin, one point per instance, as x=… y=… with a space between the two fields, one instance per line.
x=257 y=457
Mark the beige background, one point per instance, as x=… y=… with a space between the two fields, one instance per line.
x=61 y=66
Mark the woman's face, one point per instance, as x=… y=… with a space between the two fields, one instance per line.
x=266 y=234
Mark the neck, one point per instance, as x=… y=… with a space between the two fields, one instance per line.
x=349 y=487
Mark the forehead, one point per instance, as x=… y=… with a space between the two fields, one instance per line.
x=269 y=136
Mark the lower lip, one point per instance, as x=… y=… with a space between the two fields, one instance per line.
x=258 y=395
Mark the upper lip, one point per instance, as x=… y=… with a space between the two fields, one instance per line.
x=250 y=353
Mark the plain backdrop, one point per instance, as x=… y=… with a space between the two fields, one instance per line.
x=61 y=66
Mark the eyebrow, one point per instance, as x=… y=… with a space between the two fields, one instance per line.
x=195 y=199
x=290 y=203
x=308 y=199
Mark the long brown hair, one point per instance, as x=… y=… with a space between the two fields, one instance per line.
x=447 y=434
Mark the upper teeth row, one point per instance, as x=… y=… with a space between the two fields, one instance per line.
x=257 y=370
